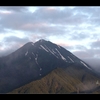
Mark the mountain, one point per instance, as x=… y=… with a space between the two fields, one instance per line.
x=45 y=64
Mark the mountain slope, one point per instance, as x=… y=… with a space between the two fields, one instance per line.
x=33 y=61
x=62 y=80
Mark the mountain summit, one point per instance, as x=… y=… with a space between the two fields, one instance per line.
x=33 y=61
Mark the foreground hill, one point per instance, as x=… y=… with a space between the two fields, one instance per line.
x=73 y=79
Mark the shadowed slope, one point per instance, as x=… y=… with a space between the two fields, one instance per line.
x=62 y=80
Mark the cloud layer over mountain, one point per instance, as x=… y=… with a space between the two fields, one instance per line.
x=75 y=28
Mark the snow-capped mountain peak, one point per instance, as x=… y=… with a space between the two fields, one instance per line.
x=46 y=50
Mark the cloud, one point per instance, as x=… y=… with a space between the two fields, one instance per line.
x=6 y=52
x=94 y=37
x=95 y=44
x=65 y=45
x=41 y=20
x=82 y=54
x=9 y=48
x=14 y=8
x=73 y=28
x=13 y=21
x=80 y=47
x=32 y=22
x=79 y=36
x=94 y=63
x=54 y=16
x=15 y=39
x=51 y=15
x=88 y=53
x=92 y=14
x=2 y=30
x=66 y=16
x=11 y=44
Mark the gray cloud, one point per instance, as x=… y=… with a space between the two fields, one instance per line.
x=13 y=20
x=10 y=48
x=80 y=47
x=6 y=52
x=83 y=54
x=68 y=47
x=88 y=53
x=92 y=13
x=79 y=36
x=15 y=39
x=1 y=44
x=2 y=30
x=18 y=20
x=11 y=44
x=65 y=45
x=94 y=63
x=85 y=9
x=27 y=22
x=95 y=44
x=14 y=8
x=94 y=37
x=40 y=21
x=53 y=16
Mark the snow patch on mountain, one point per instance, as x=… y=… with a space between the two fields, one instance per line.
x=26 y=53
x=36 y=58
x=54 y=51
x=70 y=59
x=61 y=55
x=40 y=68
x=85 y=65
x=44 y=48
x=51 y=51
x=40 y=74
x=33 y=44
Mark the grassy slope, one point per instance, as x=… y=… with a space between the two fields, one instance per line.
x=67 y=80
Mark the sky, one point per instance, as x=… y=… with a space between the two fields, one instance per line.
x=76 y=28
